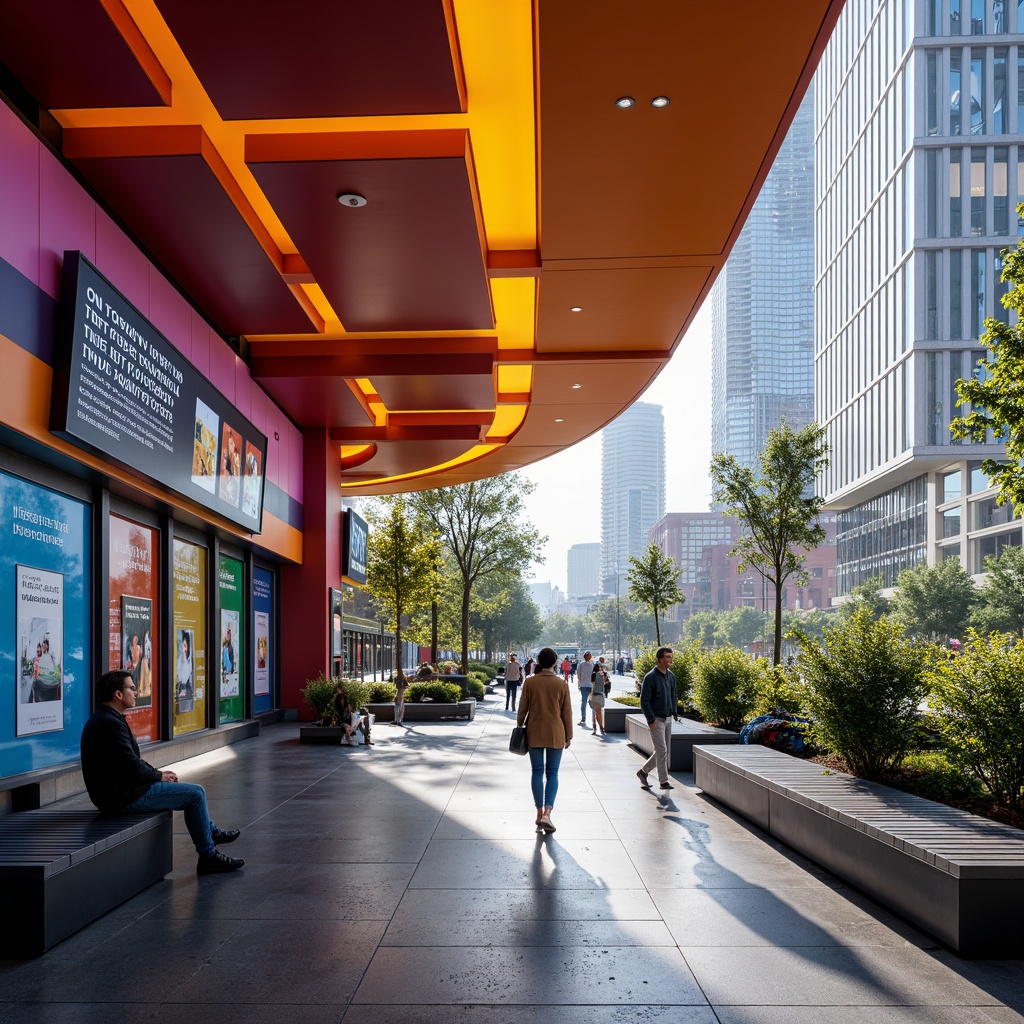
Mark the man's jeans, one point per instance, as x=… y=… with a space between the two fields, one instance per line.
x=585 y=692
x=182 y=796
x=662 y=736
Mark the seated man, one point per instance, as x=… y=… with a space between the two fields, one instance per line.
x=349 y=719
x=119 y=781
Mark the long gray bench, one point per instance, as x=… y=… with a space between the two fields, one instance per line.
x=615 y=715
x=61 y=870
x=685 y=733
x=955 y=875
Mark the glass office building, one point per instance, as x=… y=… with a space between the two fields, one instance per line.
x=632 y=488
x=762 y=322
x=919 y=165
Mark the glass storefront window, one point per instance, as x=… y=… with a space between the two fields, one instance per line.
x=954 y=92
x=986 y=512
x=977 y=112
x=955 y=202
x=993 y=547
x=951 y=522
x=949 y=551
x=956 y=314
x=1000 y=191
x=977 y=191
x=979 y=284
x=999 y=91
x=979 y=480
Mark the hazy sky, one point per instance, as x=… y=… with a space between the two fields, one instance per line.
x=683 y=389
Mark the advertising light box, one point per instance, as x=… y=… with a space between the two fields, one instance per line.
x=354 y=548
x=121 y=389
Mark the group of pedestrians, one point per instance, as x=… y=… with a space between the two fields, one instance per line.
x=545 y=708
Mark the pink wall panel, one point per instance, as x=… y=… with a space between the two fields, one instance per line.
x=257 y=406
x=67 y=220
x=294 y=437
x=121 y=263
x=222 y=369
x=201 y=334
x=19 y=195
x=169 y=313
x=243 y=389
x=273 y=447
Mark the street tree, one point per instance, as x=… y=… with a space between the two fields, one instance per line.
x=779 y=509
x=994 y=395
x=867 y=596
x=401 y=568
x=505 y=614
x=654 y=583
x=934 y=602
x=478 y=523
x=1000 y=607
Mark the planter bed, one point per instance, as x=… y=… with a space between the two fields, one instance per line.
x=426 y=711
x=955 y=875
x=685 y=733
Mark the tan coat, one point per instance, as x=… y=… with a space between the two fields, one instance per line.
x=545 y=698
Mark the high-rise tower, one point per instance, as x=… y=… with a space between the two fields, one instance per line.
x=632 y=488
x=762 y=308
x=919 y=164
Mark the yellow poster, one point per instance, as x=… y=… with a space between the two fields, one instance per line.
x=189 y=637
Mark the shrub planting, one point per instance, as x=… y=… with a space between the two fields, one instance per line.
x=447 y=693
x=725 y=687
x=864 y=684
x=978 y=700
x=381 y=693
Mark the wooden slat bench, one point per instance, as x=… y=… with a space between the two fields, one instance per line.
x=62 y=869
x=957 y=876
x=685 y=733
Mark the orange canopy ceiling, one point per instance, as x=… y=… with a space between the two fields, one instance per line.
x=528 y=255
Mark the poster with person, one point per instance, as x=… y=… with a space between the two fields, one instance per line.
x=229 y=475
x=40 y=625
x=184 y=672
x=229 y=636
x=137 y=645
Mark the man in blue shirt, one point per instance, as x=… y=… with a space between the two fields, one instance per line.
x=658 y=703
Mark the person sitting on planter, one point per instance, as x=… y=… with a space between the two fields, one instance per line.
x=350 y=719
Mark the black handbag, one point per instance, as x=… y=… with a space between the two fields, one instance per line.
x=517 y=741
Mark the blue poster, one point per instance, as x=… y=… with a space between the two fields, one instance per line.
x=44 y=625
x=262 y=638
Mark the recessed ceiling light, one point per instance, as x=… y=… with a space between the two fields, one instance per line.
x=351 y=199
x=660 y=101
x=576 y=387
x=575 y=309
x=559 y=420
x=625 y=102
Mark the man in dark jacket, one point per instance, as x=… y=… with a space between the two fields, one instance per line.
x=119 y=780
x=658 y=703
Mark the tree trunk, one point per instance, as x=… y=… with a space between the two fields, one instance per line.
x=777 y=656
x=657 y=628
x=399 y=675
x=465 y=627
x=433 y=632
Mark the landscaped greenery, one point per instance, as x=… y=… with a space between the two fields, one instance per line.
x=447 y=693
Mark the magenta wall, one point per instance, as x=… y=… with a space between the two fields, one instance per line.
x=44 y=211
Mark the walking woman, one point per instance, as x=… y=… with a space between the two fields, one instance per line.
x=546 y=708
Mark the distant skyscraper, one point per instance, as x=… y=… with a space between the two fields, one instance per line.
x=632 y=487
x=762 y=308
x=920 y=163
x=584 y=569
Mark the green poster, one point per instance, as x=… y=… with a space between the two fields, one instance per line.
x=230 y=661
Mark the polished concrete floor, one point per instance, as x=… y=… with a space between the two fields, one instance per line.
x=404 y=883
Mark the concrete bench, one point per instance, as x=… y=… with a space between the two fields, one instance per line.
x=61 y=870
x=685 y=733
x=955 y=875
x=615 y=715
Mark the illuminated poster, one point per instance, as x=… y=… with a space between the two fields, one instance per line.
x=40 y=618
x=189 y=637
x=262 y=634
x=46 y=535
x=132 y=618
x=231 y=667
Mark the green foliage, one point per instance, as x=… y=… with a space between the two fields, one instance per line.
x=978 y=699
x=401 y=570
x=725 y=687
x=1000 y=607
x=779 y=509
x=654 y=583
x=489 y=669
x=994 y=395
x=864 y=682
x=478 y=523
x=866 y=595
x=629 y=699
x=686 y=658
x=318 y=693
x=776 y=686
x=934 y=602
x=936 y=777
x=437 y=691
x=476 y=688
x=381 y=693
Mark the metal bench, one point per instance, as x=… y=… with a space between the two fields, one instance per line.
x=685 y=733
x=61 y=870
x=955 y=875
